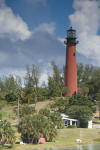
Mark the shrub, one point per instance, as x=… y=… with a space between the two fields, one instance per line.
x=7 y=134
x=72 y=126
x=34 y=127
x=25 y=110
x=11 y=97
x=83 y=124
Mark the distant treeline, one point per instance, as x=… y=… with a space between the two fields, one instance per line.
x=11 y=88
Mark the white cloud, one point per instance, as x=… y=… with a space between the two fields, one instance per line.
x=41 y=48
x=11 y=25
x=86 y=19
x=2 y=2
x=44 y=78
x=50 y=28
x=3 y=57
x=61 y=40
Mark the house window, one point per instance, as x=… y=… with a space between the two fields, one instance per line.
x=73 y=54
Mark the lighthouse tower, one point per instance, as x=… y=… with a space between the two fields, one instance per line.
x=71 y=65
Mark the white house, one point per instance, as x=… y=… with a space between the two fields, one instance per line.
x=68 y=121
x=90 y=124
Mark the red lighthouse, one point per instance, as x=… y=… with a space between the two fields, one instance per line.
x=71 y=65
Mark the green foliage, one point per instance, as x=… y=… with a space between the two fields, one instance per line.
x=78 y=107
x=60 y=105
x=36 y=126
x=29 y=127
x=55 y=117
x=9 y=84
x=83 y=123
x=56 y=82
x=43 y=124
x=98 y=102
x=0 y=116
x=80 y=112
x=32 y=81
x=49 y=131
x=45 y=112
x=43 y=93
x=84 y=74
x=94 y=83
x=88 y=78
x=26 y=110
x=12 y=83
x=11 y=97
x=7 y=134
x=81 y=100
x=85 y=90
x=72 y=126
x=57 y=120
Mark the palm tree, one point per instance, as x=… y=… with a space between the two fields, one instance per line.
x=7 y=134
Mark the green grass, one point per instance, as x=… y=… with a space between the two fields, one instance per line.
x=65 y=137
x=8 y=115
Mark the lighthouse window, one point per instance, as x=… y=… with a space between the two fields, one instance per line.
x=73 y=54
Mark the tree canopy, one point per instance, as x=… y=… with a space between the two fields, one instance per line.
x=7 y=134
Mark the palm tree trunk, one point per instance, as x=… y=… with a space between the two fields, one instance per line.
x=18 y=110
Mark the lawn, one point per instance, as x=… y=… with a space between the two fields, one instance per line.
x=66 y=137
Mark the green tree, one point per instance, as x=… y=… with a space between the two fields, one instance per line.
x=60 y=105
x=94 y=83
x=11 y=97
x=36 y=126
x=49 y=130
x=55 y=117
x=98 y=102
x=8 y=86
x=85 y=90
x=45 y=112
x=82 y=100
x=11 y=83
x=19 y=95
x=81 y=113
x=29 y=127
x=84 y=74
x=79 y=106
x=7 y=134
x=80 y=71
x=56 y=82
x=43 y=94
x=26 y=110
x=57 y=120
x=32 y=82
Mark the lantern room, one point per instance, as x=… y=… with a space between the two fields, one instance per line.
x=71 y=33
x=71 y=37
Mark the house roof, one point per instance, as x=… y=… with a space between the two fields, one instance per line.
x=65 y=117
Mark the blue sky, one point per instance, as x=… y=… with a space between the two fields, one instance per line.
x=33 y=32
x=36 y=13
